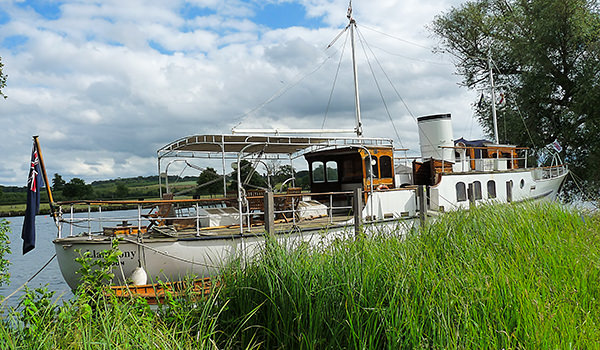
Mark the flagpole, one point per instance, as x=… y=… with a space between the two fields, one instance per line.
x=48 y=190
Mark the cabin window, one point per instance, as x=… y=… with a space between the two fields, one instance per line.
x=522 y=183
x=332 y=171
x=461 y=192
x=318 y=172
x=477 y=190
x=371 y=166
x=491 y=189
x=385 y=165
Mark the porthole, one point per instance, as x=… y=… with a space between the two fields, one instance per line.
x=522 y=183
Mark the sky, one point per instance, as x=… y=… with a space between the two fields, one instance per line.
x=105 y=84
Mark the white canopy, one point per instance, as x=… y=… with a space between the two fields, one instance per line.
x=234 y=144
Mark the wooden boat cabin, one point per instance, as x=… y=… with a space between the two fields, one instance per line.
x=345 y=169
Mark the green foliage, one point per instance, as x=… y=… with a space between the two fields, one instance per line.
x=283 y=173
x=518 y=276
x=96 y=320
x=38 y=313
x=303 y=179
x=3 y=78
x=121 y=191
x=209 y=182
x=97 y=273
x=77 y=189
x=58 y=183
x=547 y=62
x=251 y=178
x=495 y=277
x=4 y=251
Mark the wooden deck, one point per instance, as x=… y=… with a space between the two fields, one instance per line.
x=281 y=226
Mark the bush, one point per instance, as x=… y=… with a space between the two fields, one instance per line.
x=4 y=250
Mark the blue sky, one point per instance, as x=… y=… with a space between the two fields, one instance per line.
x=105 y=84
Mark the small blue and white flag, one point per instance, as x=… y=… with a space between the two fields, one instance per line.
x=557 y=146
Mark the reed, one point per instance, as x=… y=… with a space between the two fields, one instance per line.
x=517 y=276
x=492 y=277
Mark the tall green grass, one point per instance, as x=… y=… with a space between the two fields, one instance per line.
x=520 y=276
x=493 y=277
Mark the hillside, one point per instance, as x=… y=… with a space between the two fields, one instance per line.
x=13 y=198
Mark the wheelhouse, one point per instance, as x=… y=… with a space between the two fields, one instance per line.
x=348 y=168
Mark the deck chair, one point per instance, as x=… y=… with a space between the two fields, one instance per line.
x=290 y=203
x=165 y=210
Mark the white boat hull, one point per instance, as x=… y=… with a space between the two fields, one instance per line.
x=170 y=259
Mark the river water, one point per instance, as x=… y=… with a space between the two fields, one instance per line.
x=23 y=267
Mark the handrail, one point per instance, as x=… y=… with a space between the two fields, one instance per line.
x=95 y=224
x=190 y=200
x=484 y=147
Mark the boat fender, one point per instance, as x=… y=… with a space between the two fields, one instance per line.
x=138 y=276
x=382 y=187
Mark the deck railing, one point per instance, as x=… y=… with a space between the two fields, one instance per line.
x=138 y=216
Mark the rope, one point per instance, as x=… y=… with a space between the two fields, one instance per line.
x=337 y=72
x=241 y=118
x=167 y=254
x=576 y=180
x=29 y=280
x=518 y=109
x=363 y=43
x=397 y=38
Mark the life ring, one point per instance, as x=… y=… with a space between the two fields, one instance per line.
x=382 y=187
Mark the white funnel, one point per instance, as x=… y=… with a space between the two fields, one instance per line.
x=435 y=131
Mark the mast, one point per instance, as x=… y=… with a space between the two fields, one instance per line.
x=48 y=187
x=355 y=69
x=494 y=118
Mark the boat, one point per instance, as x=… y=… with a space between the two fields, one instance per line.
x=358 y=184
x=157 y=293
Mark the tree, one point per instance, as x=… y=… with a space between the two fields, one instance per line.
x=254 y=181
x=57 y=182
x=76 y=188
x=2 y=79
x=283 y=173
x=121 y=191
x=546 y=56
x=209 y=182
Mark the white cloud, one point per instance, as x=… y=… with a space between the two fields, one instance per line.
x=103 y=100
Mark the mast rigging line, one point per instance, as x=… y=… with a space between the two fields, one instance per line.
x=412 y=58
x=298 y=79
x=27 y=282
x=336 y=72
x=397 y=38
x=396 y=91
x=516 y=106
x=363 y=43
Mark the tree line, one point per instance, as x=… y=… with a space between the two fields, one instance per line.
x=208 y=182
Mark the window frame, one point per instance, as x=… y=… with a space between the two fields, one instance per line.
x=461 y=192
x=314 y=172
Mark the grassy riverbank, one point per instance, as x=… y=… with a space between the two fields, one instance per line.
x=519 y=276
